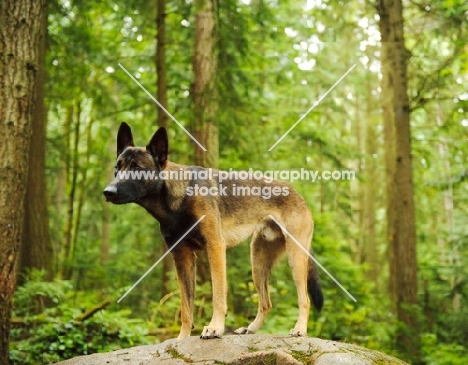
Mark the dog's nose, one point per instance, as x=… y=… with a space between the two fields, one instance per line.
x=110 y=192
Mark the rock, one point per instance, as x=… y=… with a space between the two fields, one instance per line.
x=237 y=350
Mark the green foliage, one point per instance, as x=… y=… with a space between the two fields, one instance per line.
x=439 y=353
x=53 y=334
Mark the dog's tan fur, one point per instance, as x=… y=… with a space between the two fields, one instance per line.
x=228 y=221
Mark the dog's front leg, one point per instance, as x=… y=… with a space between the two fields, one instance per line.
x=185 y=263
x=217 y=259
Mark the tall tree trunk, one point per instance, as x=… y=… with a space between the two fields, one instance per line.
x=205 y=126
x=161 y=71
x=57 y=200
x=386 y=35
x=72 y=182
x=405 y=226
x=160 y=60
x=36 y=247
x=21 y=32
x=80 y=201
x=371 y=191
x=370 y=194
x=62 y=198
x=402 y=243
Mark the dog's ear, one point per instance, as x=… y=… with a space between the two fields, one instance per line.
x=124 y=138
x=158 y=146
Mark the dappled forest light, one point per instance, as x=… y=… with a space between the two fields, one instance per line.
x=379 y=110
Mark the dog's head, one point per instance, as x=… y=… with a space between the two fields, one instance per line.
x=137 y=169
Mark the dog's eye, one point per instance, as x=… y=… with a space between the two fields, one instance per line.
x=135 y=166
x=116 y=169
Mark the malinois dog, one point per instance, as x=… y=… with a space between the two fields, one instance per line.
x=233 y=211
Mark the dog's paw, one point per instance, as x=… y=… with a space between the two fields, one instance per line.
x=211 y=332
x=297 y=333
x=242 y=331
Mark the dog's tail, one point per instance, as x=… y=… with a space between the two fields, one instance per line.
x=313 y=285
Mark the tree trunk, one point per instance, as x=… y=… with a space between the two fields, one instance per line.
x=160 y=59
x=80 y=202
x=386 y=34
x=405 y=227
x=401 y=219
x=161 y=71
x=21 y=29
x=205 y=126
x=71 y=181
x=36 y=247
x=371 y=191
x=57 y=200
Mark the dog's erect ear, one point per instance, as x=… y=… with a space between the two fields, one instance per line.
x=124 y=138
x=158 y=146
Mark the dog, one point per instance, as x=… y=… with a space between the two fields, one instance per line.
x=233 y=208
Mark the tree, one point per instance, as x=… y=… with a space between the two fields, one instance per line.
x=400 y=204
x=36 y=247
x=72 y=128
x=161 y=87
x=160 y=60
x=21 y=29
x=205 y=125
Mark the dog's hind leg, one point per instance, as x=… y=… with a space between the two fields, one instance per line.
x=299 y=263
x=185 y=263
x=266 y=247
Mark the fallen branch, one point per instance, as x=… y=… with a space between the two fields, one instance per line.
x=89 y=313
